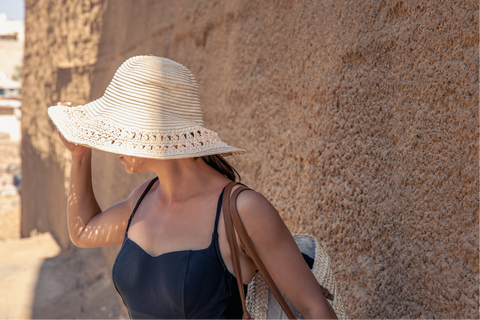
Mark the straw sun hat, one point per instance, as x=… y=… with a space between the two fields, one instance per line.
x=150 y=109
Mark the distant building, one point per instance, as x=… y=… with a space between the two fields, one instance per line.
x=11 y=60
x=10 y=117
x=12 y=35
x=9 y=88
x=13 y=28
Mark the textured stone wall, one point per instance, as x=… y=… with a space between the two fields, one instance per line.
x=360 y=119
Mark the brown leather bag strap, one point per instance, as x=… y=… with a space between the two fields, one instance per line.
x=232 y=241
x=252 y=252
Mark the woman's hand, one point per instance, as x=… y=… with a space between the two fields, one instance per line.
x=76 y=150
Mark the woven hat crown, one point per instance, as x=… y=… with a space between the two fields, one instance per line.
x=153 y=90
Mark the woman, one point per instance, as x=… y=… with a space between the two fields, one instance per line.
x=175 y=261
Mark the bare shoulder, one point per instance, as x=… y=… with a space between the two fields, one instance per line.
x=254 y=205
x=260 y=217
x=133 y=198
x=111 y=222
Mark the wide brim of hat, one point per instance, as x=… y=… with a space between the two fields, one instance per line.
x=172 y=138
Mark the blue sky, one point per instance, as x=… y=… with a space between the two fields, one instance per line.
x=15 y=9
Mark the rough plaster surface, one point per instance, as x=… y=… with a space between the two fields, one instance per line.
x=360 y=119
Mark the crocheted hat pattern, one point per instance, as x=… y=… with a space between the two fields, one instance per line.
x=150 y=109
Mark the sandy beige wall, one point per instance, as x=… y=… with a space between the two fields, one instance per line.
x=360 y=120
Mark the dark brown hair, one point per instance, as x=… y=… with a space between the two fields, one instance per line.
x=218 y=163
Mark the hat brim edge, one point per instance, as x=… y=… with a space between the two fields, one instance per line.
x=62 y=123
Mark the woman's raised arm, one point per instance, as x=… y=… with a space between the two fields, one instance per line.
x=88 y=226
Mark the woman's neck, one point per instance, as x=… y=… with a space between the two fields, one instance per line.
x=183 y=179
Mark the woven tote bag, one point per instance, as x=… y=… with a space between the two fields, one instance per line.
x=261 y=304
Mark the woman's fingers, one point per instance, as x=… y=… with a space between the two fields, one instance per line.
x=72 y=147
x=60 y=135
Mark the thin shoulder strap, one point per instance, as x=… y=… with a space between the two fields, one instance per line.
x=219 y=207
x=140 y=200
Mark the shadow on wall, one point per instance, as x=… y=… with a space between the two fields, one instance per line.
x=76 y=284
x=35 y=213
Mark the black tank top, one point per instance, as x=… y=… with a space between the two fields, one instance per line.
x=180 y=284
